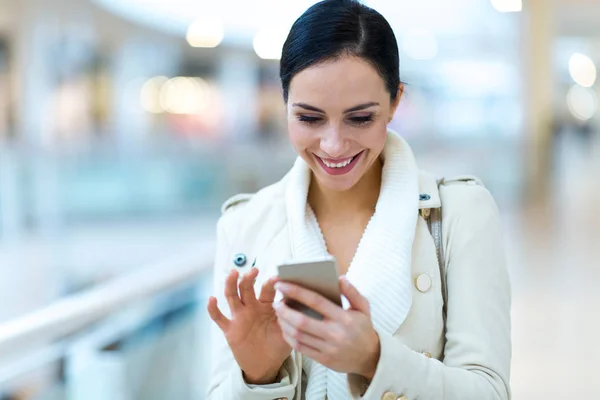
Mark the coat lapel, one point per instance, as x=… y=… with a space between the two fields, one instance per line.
x=381 y=269
x=306 y=244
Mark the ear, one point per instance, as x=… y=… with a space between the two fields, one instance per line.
x=397 y=101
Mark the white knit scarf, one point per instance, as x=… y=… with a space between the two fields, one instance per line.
x=381 y=267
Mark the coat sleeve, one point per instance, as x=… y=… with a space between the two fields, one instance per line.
x=476 y=364
x=227 y=382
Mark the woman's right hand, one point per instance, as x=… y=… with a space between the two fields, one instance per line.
x=252 y=333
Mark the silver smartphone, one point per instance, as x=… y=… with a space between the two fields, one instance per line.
x=319 y=276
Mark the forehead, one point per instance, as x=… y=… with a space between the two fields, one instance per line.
x=340 y=83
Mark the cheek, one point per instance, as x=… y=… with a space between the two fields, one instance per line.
x=301 y=136
x=374 y=138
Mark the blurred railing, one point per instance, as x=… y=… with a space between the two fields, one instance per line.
x=87 y=186
x=81 y=347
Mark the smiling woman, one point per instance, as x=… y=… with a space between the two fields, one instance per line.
x=413 y=325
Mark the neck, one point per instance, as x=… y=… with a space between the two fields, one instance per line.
x=362 y=197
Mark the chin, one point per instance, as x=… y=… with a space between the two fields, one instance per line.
x=336 y=183
x=337 y=186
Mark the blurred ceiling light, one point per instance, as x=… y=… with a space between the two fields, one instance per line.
x=582 y=69
x=183 y=95
x=150 y=94
x=582 y=102
x=420 y=44
x=507 y=6
x=205 y=32
x=268 y=44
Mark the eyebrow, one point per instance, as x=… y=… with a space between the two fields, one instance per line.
x=351 y=109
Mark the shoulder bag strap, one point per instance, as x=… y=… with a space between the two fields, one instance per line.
x=434 y=222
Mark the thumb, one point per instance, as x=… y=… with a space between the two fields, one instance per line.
x=357 y=301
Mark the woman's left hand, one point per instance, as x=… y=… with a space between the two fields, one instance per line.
x=344 y=341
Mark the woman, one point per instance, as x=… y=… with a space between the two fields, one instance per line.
x=356 y=193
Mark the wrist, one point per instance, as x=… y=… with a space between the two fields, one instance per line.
x=265 y=378
x=372 y=359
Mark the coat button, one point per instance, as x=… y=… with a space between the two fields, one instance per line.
x=240 y=260
x=423 y=283
x=389 y=396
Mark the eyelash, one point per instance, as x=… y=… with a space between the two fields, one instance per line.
x=358 y=121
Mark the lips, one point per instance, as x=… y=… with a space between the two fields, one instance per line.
x=341 y=166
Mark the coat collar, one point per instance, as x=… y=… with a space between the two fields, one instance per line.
x=381 y=269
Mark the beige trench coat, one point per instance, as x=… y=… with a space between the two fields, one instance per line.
x=468 y=361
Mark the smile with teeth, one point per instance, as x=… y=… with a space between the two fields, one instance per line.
x=338 y=165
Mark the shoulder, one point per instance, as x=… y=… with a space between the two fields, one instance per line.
x=258 y=201
x=436 y=192
x=468 y=209
x=239 y=199
x=469 y=180
x=466 y=194
x=245 y=212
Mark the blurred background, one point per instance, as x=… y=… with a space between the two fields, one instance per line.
x=124 y=124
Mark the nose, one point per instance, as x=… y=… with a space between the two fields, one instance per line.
x=334 y=143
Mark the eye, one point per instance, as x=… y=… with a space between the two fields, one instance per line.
x=362 y=120
x=309 y=119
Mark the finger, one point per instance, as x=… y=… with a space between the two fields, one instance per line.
x=357 y=301
x=246 y=285
x=267 y=292
x=216 y=314
x=306 y=350
x=294 y=344
x=303 y=337
x=301 y=322
x=231 y=291
x=311 y=299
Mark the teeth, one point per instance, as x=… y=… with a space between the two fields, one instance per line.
x=338 y=165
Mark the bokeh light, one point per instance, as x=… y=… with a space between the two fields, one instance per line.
x=205 y=32
x=582 y=102
x=150 y=94
x=268 y=43
x=508 y=5
x=182 y=95
x=582 y=70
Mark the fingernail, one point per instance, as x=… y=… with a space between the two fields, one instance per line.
x=282 y=287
